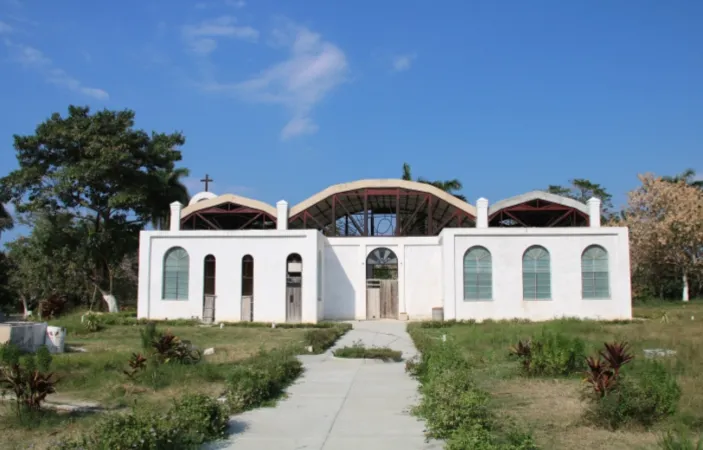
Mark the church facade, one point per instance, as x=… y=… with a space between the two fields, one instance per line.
x=384 y=249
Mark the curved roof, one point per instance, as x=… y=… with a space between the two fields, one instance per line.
x=383 y=183
x=229 y=198
x=537 y=195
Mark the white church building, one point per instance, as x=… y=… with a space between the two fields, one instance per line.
x=384 y=249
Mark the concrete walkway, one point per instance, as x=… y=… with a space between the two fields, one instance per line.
x=341 y=404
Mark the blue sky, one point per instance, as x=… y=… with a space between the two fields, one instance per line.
x=279 y=99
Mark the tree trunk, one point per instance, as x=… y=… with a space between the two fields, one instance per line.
x=24 y=306
x=685 y=287
x=110 y=300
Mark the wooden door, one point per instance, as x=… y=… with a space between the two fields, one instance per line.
x=209 y=308
x=294 y=303
x=373 y=299
x=247 y=308
x=389 y=299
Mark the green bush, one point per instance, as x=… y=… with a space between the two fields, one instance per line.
x=359 y=351
x=320 y=339
x=679 y=441
x=479 y=438
x=451 y=401
x=643 y=396
x=193 y=420
x=260 y=379
x=44 y=358
x=9 y=354
x=552 y=354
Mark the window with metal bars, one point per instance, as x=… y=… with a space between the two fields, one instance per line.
x=594 y=273
x=176 y=273
x=478 y=274
x=536 y=274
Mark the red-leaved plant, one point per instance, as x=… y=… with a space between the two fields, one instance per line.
x=604 y=370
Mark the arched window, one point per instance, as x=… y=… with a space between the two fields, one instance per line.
x=175 y=280
x=594 y=272
x=536 y=276
x=209 y=275
x=478 y=274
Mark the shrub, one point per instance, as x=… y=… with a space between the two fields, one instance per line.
x=479 y=438
x=9 y=354
x=359 y=351
x=604 y=370
x=679 y=441
x=643 y=397
x=91 y=323
x=260 y=379
x=191 y=421
x=148 y=335
x=137 y=363
x=28 y=384
x=451 y=401
x=320 y=339
x=44 y=358
x=552 y=354
x=167 y=347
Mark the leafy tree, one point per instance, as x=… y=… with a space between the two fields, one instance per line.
x=581 y=189
x=106 y=176
x=688 y=176
x=448 y=186
x=665 y=219
x=6 y=222
x=44 y=263
x=6 y=295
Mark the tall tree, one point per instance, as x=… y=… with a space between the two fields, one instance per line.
x=665 y=220
x=6 y=221
x=448 y=186
x=101 y=172
x=688 y=176
x=581 y=189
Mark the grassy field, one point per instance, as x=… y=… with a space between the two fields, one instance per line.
x=96 y=375
x=552 y=408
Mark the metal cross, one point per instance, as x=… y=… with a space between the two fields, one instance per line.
x=207 y=181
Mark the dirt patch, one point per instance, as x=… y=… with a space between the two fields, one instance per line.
x=553 y=411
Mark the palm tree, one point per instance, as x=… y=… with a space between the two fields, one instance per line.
x=448 y=186
x=688 y=176
x=173 y=190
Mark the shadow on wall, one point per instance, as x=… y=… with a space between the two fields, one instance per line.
x=340 y=296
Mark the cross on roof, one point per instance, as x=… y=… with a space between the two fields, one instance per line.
x=207 y=180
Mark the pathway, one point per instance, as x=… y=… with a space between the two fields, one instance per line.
x=341 y=404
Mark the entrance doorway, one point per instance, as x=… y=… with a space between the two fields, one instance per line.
x=247 y=313
x=294 y=288
x=381 y=284
x=209 y=289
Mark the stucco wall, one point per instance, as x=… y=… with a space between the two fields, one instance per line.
x=565 y=246
x=269 y=250
x=345 y=275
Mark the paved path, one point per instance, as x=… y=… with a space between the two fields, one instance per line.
x=341 y=404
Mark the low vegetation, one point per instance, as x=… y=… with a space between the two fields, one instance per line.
x=575 y=384
x=357 y=350
x=320 y=339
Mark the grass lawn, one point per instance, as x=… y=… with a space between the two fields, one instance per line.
x=97 y=375
x=552 y=408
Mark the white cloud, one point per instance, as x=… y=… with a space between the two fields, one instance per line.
x=313 y=68
x=5 y=28
x=35 y=59
x=202 y=38
x=403 y=62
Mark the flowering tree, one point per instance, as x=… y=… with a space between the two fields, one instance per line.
x=665 y=220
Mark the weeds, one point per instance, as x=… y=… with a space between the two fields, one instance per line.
x=357 y=350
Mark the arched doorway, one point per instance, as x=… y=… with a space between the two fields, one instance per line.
x=382 y=284
x=209 y=279
x=294 y=288
x=247 y=288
